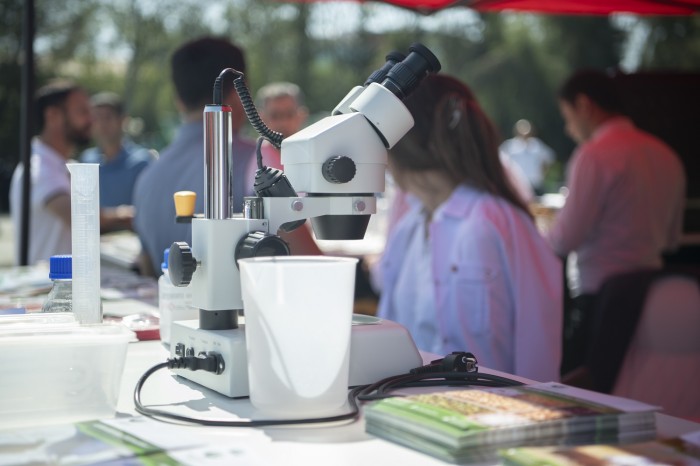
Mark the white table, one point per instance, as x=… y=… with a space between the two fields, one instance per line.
x=338 y=444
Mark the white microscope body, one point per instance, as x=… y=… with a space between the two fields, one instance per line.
x=338 y=164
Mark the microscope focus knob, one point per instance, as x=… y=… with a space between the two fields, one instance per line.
x=260 y=244
x=181 y=264
x=339 y=169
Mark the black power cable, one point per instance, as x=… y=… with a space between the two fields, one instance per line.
x=377 y=390
x=383 y=388
x=166 y=415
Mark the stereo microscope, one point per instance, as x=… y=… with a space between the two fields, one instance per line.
x=333 y=170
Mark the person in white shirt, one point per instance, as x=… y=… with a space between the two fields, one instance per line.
x=62 y=109
x=465 y=268
x=625 y=203
x=529 y=153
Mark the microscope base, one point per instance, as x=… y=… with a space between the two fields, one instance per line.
x=379 y=348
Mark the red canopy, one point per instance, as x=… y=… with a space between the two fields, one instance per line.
x=580 y=7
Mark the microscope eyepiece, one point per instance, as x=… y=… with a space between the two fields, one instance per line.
x=392 y=58
x=405 y=75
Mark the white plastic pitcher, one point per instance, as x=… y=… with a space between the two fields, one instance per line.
x=298 y=318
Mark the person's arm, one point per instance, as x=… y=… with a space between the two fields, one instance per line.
x=583 y=205
x=301 y=243
x=143 y=262
x=579 y=377
x=141 y=195
x=59 y=205
x=676 y=226
x=116 y=218
x=538 y=294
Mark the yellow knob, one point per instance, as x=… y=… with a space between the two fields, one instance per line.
x=184 y=203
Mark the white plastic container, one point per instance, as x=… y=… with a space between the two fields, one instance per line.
x=298 y=318
x=60 y=374
x=30 y=321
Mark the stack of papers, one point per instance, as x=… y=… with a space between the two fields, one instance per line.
x=127 y=441
x=473 y=424
x=683 y=451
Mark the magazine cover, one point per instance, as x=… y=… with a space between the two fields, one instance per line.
x=125 y=441
x=667 y=452
x=471 y=424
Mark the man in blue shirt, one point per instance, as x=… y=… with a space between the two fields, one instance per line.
x=194 y=67
x=120 y=159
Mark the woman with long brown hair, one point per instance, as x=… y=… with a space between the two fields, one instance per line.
x=466 y=269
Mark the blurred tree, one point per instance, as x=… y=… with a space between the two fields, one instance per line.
x=513 y=62
x=10 y=84
x=543 y=51
x=342 y=64
x=146 y=35
x=62 y=33
x=672 y=43
x=65 y=32
x=273 y=36
x=10 y=55
x=582 y=41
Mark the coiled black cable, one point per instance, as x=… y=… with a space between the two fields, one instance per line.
x=251 y=112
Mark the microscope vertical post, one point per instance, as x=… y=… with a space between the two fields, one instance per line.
x=218 y=134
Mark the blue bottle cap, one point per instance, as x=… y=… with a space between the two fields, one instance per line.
x=61 y=267
x=164 y=264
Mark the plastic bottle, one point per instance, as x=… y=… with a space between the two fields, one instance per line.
x=60 y=297
x=174 y=302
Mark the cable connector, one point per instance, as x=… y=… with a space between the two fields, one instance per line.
x=457 y=361
x=209 y=362
x=218 y=97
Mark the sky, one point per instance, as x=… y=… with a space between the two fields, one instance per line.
x=331 y=19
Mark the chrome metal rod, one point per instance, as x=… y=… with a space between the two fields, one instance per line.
x=218 y=140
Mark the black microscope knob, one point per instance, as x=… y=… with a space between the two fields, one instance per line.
x=181 y=264
x=260 y=244
x=339 y=169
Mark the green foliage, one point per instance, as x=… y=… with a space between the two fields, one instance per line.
x=673 y=43
x=513 y=62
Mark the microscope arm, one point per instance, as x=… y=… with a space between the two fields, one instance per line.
x=280 y=210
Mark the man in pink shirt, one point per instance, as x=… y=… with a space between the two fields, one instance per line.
x=281 y=106
x=282 y=109
x=625 y=203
